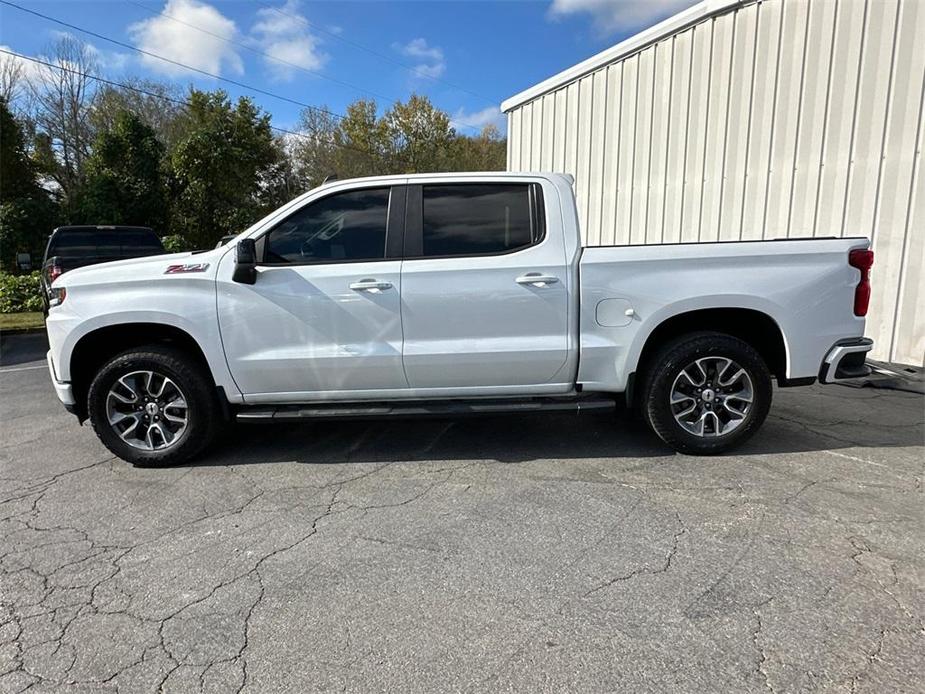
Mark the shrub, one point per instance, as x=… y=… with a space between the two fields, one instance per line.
x=20 y=293
x=175 y=244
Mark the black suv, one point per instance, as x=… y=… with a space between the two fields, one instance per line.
x=78 y=246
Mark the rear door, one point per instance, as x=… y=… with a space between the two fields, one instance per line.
x=484 y=290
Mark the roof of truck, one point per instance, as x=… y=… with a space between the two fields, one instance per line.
x=454 y=175
x=100 y=227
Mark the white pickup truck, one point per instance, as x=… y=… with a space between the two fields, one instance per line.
x=449 y=294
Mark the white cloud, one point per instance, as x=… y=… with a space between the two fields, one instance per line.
x=613 y=15
x=430 y=58
x=418 y=48
x=105 y=60
x=25 y=69
x=433 y=71
x=285 y=36
x=111 y=61
x=18 y=74
x=174 y=37
x=478 y=119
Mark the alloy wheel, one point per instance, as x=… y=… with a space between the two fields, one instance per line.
x=711 y=396
x=147 y=410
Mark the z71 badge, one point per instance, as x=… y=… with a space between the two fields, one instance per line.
x=180 y=269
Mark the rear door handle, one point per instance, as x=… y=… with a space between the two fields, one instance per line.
x=537 y=279
x=369 y=285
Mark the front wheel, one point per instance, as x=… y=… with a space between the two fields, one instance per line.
x=706 y=393
x=153 y=406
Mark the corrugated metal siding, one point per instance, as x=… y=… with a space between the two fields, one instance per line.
x=783 y=118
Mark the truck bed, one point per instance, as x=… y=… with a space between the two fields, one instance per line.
x=805 y=285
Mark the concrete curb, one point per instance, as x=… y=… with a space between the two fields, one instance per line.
x=22 y=331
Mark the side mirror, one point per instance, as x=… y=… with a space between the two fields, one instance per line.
x=245 y=262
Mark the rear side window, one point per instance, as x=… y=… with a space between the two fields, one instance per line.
x=477 y=219
x=341 y=227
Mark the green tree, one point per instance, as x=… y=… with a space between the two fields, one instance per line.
x=485 y=152
x=225 y=173
x=313 y=152
x=159 y=105
x=411 y=137
x=124 y=183
x=419 y=136
x=362 y=142
x=27 y=212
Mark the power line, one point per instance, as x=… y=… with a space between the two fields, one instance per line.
x=264 y=54
x=378 y=54
x=129 y=46
x=179 y=102
x=228 y=80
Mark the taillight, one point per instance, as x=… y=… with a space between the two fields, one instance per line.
x=862 y=260
x=54 y=272
x=56 y=296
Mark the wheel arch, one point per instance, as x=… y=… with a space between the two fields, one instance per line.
x=98 y=346
x=753 y=326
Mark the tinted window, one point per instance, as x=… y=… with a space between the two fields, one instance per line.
x=344 y=226
x=104 y=243
x=474 y=219
x=139 y=241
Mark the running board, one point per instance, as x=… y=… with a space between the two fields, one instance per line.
x=447 y=408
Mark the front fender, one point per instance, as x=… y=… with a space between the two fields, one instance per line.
x=65 y=332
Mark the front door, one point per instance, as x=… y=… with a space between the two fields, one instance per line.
x=323 y=319
x=484 y=291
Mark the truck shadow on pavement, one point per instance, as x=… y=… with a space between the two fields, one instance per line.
x=797 y=423
x=815 y=418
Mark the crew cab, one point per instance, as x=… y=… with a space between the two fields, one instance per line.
x=448 y=294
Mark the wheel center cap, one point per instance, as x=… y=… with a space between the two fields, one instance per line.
x=708 y=395
x=152 y=409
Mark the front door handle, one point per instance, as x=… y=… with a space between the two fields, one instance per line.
x=537 y=279
x=370 y=285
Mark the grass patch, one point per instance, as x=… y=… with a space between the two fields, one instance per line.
x=21 y=321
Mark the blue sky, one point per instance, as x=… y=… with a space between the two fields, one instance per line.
x=466 y=56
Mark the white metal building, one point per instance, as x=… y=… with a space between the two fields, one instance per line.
x=752 y=120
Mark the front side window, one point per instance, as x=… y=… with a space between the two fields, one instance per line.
x=476 y=219
x=343 y=226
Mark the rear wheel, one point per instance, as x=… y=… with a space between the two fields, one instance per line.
x=153 y=406
x=706 y=393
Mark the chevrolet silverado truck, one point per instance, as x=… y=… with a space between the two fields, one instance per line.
x=447 y=294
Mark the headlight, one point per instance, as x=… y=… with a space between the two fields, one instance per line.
x=56 y=296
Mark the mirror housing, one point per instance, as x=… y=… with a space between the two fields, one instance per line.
x=245 y=262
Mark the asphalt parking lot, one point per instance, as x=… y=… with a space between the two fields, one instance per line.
x=541 y=553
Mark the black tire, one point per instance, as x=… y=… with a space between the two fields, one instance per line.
x=202 y=412
x=665 y=370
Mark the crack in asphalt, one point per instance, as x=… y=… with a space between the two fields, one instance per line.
x=646 y=569
x=762 y=656
x=114 y=554
x=62 y=579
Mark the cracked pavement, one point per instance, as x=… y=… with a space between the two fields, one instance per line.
x=514 y=553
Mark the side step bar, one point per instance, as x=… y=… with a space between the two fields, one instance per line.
x=446 y=408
